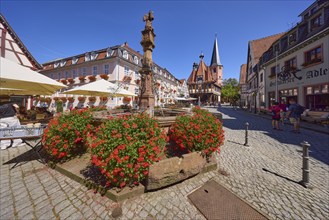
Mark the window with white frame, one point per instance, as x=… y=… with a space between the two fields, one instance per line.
x=135 y=59
x=84 y=71
x=94 y=70
x=74 y=73
x=126 y=70
x=125 y=54
x=106 y=68
x=160 y=72
x=137 y=75
x=136 y=91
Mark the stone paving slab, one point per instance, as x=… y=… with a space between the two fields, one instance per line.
x=34 y=191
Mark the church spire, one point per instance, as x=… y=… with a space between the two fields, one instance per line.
x=215 y=61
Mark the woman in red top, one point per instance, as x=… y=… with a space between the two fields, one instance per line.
x=275 y=111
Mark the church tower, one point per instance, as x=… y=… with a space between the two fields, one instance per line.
x=215 y=64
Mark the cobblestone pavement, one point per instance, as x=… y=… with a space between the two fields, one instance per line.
x=33 y=191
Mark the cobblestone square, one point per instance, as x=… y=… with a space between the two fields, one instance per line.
x=265 y=175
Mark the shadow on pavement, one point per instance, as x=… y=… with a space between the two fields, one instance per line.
x=236 y=120
x=286 y=178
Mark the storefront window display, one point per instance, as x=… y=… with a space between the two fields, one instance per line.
x=317 y=97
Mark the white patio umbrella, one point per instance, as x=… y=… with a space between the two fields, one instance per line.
x=100 y=88
x=20 y=80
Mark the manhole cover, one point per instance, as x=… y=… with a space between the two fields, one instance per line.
x=216 y=202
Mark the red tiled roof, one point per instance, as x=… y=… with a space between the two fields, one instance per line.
x=202 y=70
x=182 y=81
x=259 y=46
x=243 y=74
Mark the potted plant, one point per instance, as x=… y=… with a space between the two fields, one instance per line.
x=104 y=76
x=104 y=98
x=82 y=78
x=92 y=99
x=126 y=99
x=126 y=79
x=70 y=99
x=81 y=98
x=70 y=80
x=64 y=99
x=92 y=78
x=64 y=81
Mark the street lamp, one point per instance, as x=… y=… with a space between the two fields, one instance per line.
x=276 y=77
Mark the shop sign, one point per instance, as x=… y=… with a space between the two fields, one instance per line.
x=316 y=73
x=282 y=82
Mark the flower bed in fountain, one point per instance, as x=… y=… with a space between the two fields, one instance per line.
x=129 y=151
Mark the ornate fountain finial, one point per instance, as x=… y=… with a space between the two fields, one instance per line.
x=148 y=18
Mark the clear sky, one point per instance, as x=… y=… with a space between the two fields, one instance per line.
x=59 y=29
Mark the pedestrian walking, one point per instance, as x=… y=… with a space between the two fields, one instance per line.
x=283 y=111
x=275 y=112
x=294 y=112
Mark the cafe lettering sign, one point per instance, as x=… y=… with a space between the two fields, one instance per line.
x=316 y=73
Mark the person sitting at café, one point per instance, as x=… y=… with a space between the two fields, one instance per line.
x=8 y=118
x=31 y=113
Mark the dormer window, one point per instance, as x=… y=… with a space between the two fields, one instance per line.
x=135 y=59
x=75 y=60
x=292 y=38
x=199 y=79
x=277 y=47
x=87 y=57
x=93 y=55
x=125 y=54
x=316 y=22
x=56 y=64
x=62 y=63
x=109 y=52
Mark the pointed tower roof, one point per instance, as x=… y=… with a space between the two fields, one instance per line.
x=215 y=60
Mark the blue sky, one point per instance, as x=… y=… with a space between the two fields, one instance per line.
x=58 y=29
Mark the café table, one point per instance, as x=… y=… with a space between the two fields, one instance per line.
x=27 y=134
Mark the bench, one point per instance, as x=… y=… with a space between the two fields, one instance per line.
x=314 y=116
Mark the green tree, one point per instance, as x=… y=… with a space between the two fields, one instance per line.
x=230 y=90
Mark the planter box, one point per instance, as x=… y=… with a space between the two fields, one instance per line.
x=173 y=170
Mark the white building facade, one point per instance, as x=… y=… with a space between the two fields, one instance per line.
x=118 y=64
x=300 y=68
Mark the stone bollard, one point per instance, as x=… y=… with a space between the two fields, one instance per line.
x=306 y=167
x=246 y=137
